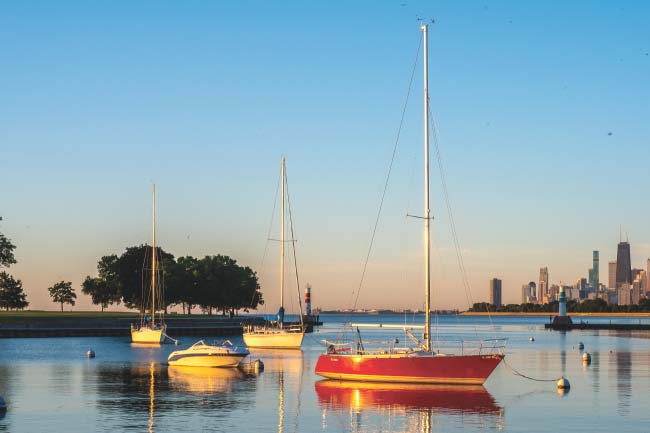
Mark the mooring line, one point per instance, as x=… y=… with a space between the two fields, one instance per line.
x=528 y=377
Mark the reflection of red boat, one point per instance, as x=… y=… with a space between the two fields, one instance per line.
x=359 y=395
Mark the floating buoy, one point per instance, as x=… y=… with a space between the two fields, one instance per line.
x=586 y=357
x=531 y=339
x=581 y=346
x=258 y=365
x=563 y=383
x=90 y=353
x=252 y=367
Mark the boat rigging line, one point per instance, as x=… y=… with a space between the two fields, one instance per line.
x=293 y=243
x=388 y=174
x=459 y=256
x=268 y=234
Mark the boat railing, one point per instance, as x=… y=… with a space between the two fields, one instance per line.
x=495 y=346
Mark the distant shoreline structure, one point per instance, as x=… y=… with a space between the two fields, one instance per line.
x=541 y=314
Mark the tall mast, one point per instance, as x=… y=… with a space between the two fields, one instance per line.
x=427 y=236
x=282 y=239
x=153 y=257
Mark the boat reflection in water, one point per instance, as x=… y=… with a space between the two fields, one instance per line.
x=416 y=405
x=203 y=379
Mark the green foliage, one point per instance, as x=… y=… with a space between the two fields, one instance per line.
x=63 y=293
x=6 y=252
x=573 y=306
x=213 y=282
x=100 y=291
x=132 y=272
x=11 y=293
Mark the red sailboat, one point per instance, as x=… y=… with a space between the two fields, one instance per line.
x=419 y=364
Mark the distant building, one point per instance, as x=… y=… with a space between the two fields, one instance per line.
x=542 y=287
x=623 y=265
x=581 y=288
x=647 y=276
x=528 y=292
x=554 y=293
x=594 y=272
x=624 y=294
x=495 y=292
x=612 y=275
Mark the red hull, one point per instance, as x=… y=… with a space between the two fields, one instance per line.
x=360 y=395
x=462 y=370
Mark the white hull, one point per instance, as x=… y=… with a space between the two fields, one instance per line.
x=203 y=355
x=146 y=335
x=269 y=338
x=208 y=361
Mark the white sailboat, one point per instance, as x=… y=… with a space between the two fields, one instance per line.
x=148 y=331
x=277 y=335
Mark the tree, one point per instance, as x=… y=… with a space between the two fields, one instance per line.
x=182 y=282
x=11 y=293
x=105 y=289
x=132 y=273
x=100 y=291
x=63 y=293
x=226 y=286
x=6 y=251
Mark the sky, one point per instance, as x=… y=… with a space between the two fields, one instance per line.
x=541 y=110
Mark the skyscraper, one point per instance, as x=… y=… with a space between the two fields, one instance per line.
x=647 y=275
x=594 y=273
x=528 y=292
x=495 y=292
x=623 y=265
x=542 y=287
x=612 y=275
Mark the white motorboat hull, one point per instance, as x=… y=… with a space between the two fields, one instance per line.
x=147 y=335
x=203 y=355
x=207 y=360
x=273 y=339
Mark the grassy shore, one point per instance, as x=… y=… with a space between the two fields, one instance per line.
x=468 y=313
x=35 y=314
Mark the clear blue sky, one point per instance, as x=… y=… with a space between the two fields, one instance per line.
x=542 y=109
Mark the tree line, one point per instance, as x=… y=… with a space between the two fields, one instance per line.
x=212 y=283
x=572 y=306
x=12 y=296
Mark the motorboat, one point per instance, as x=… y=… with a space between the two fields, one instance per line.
x=201 y=354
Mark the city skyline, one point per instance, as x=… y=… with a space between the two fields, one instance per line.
x=186 y=96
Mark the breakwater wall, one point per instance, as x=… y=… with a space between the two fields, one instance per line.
x=117 y=326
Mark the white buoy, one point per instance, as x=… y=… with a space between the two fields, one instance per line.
x=252 y=367
x=586 y=357
x=531 y=339
x=581 y=346
x=563 y=383
x=90 y=353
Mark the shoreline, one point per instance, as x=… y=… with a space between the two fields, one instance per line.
x=553 y=314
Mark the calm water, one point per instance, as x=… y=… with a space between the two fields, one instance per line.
x=49 y=385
